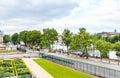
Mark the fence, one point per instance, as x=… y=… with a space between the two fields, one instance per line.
x=85 y=67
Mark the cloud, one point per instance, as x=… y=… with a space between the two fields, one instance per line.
x=17 y=11
x=95 y=15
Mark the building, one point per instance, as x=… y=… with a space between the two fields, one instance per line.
x=108 y=34
x=1 y=37
x=2 y=46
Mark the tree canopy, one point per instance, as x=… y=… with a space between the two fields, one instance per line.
x=15 y=38
x=50 y=35
x=66 y=37
x=117 y=48
x=6 y=38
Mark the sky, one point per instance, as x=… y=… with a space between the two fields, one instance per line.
x=94 y=15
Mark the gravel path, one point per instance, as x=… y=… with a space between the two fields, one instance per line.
x=38 y=71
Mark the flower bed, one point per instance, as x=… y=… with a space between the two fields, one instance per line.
x=15 y=67
x=20 y=67
x=22 y=71
x=6 y=68
x=6 y=63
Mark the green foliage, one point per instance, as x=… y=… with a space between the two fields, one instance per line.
x=6 y=63
x=6 y=38
x=31 y=38
x=10 y=68
x=6 y=69
x=15 y=38
x=24 y=36
x=112 y=39
x=103 y=47
x=84 y=37
x=75 y=43
x=81 y=41
x=117 y=48
x=44 y=42
x=95 y=38
x=35 y=37
x=6 y=74
x=19 y=63
x=50 y=35
x=66 y=37
x=21 y=68
x=22 y=71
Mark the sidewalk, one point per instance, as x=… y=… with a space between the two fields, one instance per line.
x=38 y=71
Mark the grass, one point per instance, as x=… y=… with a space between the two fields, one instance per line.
x=59 y=71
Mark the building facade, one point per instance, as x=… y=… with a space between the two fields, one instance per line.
x=1 y=37
x=108 y=34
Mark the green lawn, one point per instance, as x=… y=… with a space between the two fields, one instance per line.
x=59 y=71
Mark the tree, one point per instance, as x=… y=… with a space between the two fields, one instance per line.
x=94 y=38
x=100 y=46
x=85 y=40
x=117 y=48
x=24 y=37
x=104 y=48
x=81 y=41
x=43 y=41
x=50 y=35
x=29 y=43
x=108 y=46
x=75 y=43
x=15 y=38
x=6 y=39
x=35 y=37
x=66 y=37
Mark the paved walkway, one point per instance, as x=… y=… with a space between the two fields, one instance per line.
x=38 y=71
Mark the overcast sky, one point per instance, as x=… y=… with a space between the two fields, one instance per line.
x=95 y=15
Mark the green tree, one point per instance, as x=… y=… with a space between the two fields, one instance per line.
x=35 y=37
x=104 y=48
x=107 y=48
x=50 y=35
x=43 y=42
x=81 y=41
x=24 y=37
x=6 y=39
x=100 y=46
x=15 y=38
x=75 y=43
x=66 y=37
x=85 y=40
x=94 y=38
x=117 y=49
